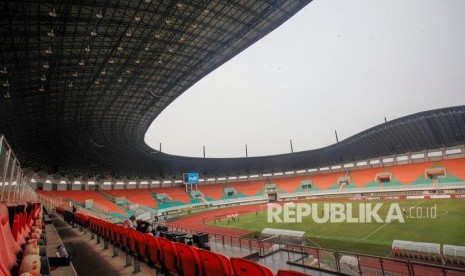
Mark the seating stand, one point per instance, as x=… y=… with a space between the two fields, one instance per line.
x=128 y=259
x=115 y=250
x=136 y=265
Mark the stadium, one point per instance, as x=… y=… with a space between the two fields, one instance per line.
x=83 y=194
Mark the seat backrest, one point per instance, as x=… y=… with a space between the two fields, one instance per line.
x=132 y=240
x=189 y=259
x=8 y=245
x=153 y=249
x=214 y=264
x=243 y=267
x=169 y=257
x=141 y=244
x=124 y=237
x=287 y=272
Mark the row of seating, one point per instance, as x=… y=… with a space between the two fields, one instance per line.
x=173 y=257
x=21 y=238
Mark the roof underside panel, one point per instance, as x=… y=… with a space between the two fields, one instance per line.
x=83 y=80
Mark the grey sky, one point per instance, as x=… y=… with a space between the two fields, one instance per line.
x=336 y=65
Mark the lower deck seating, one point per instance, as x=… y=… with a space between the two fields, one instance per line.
x=21 y=239
x=171 y=257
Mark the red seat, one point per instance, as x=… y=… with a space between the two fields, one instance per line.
x=243 y=267
x=189 y=259
x=287 y=272
x=8 y=245
x=168 y=255
x=214 y=264
x=131 y=234
x=153 y=250
x=141 y=245
x=124 y=237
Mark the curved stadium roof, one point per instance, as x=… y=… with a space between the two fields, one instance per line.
x=84 y=80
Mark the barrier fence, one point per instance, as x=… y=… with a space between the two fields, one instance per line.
x=347 y=263
x=14 y=185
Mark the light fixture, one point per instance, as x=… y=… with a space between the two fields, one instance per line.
x=81 y=62
x=4 y=71
x=7 y=95
x=182 y=38
x=99 y=14
x=120 y=48
x=87 y=49
x=120 y=80
x=93 y=33
x=147 y=47
x=111 y=61
x=128 y=72
x=52 y=13
x=169 y=21
x=159 y=61
x=49 y=50
x=97 y=82
x=137 y=61
x=128 y=33
x=70 y=84
x=147 y=1
x=6 y=84
x=195 y=26
x=159 y=35
x=51 y=33
x=43 y=78
x=41 y=88
x=205 y=12
x=75 y=74
x=137 y=18
x=170 y=49
x=103 y=72
x=46 y=66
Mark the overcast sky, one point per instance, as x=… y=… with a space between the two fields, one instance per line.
x=340 y=65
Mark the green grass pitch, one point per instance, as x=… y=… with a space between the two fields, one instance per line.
x=373 y=238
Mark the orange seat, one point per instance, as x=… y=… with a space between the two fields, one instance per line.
x=214 y=264
x=243 y=267
x=189 y=259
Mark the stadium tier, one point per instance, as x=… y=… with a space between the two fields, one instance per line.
x=81 y=197
x=408 y=174
x=213 y=192
x=365 y=177
x=249 y=188
x=170 y=198
x=140 y=196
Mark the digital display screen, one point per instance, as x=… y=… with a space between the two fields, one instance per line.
x=191 y=178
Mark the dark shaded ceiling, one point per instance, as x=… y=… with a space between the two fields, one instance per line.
x=83 y=80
